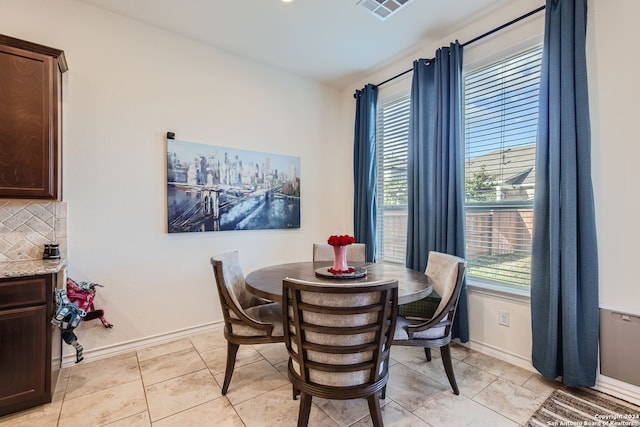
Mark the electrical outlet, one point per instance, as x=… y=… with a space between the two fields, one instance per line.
x=503 y=318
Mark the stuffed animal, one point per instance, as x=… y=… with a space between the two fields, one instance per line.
x=73 y=305
x=83 y=294
x=67 y=317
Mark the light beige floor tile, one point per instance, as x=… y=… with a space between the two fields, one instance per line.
x=139 y=420
x=209 y=340
x=170 y=365
x=459 y=351
x=512 y=401
x=105 y=406
x=501 y=369
x=164 y=349
x=446 y=410
x=409 y=388
x=394 y=415
x=30 y=418
x=470 y=380
x=277 y=408
x=40 y=416
x=216 y=359
x=345 y=412
x=218 y=412
x=101 y=374
x=412 y=356
x=63 y=380
x=118 y=356
x=274 y=353
x=252 y=380
x=539 y=384
x=433 y=370
x=181 y=393
x=283 y=368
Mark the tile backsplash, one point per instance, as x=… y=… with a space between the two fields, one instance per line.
x=26 y=225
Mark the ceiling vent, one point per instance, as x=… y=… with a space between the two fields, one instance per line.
x=383 y=8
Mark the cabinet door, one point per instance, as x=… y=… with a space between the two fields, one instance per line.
x=23 y=358
x=28 y=124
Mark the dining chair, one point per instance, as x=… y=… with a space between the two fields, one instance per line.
x=247 y=318
x=446 y=274
x=356 y=252
x=338 y=339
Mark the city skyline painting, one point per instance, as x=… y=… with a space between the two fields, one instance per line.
x=214 y=188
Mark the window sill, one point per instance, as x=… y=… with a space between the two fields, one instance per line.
x=505 y=292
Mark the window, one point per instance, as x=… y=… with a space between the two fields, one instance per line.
x=393 y=132
x=500 y=123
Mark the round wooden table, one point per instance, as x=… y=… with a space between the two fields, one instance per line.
x=267 y=282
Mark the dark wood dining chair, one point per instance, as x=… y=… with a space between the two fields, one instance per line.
x=446 y=274
x=356 y=252
x=247 y=318
x=338 y=338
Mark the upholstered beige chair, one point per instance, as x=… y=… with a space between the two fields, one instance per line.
x=338 y=338
x=446 y=273
x=356 y=252
x=247 y=318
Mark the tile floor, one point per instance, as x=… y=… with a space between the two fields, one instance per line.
x=178 y=383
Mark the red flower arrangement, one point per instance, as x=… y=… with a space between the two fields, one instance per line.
x=343 y=240
x=339 y=244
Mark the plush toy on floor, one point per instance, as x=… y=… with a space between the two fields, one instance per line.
x=74 y=305
x=67 y=317
x=83 y=294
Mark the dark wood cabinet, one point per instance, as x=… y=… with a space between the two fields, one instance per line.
x=30 y=119
x=29 y=351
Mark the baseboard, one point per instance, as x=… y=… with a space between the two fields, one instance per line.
x=619 y=389
x=500 y=354
x=124 y=347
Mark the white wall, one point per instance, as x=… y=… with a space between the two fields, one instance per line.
x=127 y=85
x=612 y=64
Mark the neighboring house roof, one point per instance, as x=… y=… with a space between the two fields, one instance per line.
x=508 y=166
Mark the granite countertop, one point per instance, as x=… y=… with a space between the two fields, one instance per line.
x=10 y=269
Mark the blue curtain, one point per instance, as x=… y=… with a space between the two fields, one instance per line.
x=564 y=263
x=435 y=166
x=365 y=169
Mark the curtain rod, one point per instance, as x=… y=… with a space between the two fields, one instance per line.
x=488 y=33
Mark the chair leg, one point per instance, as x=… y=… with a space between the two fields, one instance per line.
x=232 y=350
x=296 y=392
x=445 y=353
x=427 y=353
x=383 y=393
x=305 y=409
x=374 y=410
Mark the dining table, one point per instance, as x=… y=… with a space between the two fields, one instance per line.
x=266 y=282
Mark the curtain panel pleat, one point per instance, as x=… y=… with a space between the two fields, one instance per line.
x=564 y=263
x=365 y=169
x=435 y=166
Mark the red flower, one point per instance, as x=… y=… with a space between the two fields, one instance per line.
x=343 y=240
x=347 y=271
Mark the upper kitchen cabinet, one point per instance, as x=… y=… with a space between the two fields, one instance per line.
x=30 y=119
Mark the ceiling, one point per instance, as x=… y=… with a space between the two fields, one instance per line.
x=335 y=42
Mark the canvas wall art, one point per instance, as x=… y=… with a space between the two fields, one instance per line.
x=212 y=188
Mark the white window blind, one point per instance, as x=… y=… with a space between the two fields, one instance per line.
x=393 y=131
x=500 y=123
